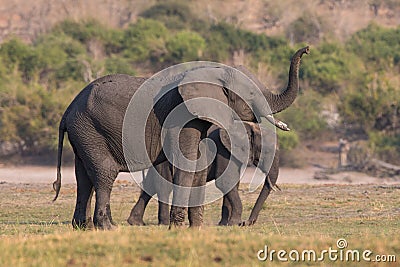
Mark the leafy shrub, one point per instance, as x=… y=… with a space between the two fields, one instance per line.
x=31 y=115
x=175 y=15
x=308 y=28
x=329 y=67
x=82 y=31
x=378 y=47
x=20 y=57
x=365 y=106
x=119 y=65
x=145 y=40
x=185 y=46
x=288 y=140
x=304 y=116
x=242 y=39
x=386 y=147
x=41 y=78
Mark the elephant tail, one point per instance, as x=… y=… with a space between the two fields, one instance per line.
x=57 y=184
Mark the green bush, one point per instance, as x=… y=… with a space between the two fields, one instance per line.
x=41 y=78
x=175 y=15
x=217 y=48
x=82 y=31
x=20 y=57
x=385 y=147
x=145 y=40
x=185 y=46
x=378 y=47
x=288 y=140
x=365 y=106
x=307 y=28
x=30 y=114
x=304 y=116
x=330 y=67
x=119 y=65
x=242 y=39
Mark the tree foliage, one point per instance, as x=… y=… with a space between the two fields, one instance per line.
x=38 y=80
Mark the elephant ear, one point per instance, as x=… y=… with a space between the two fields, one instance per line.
x=206 y=83
x=226 y=142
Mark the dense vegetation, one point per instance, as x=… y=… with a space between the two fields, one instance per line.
x=358 y=79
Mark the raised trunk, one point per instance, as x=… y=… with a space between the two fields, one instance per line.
x=281 y=101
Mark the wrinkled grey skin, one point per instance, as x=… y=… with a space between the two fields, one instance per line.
x=232 y=206
x=94 y=121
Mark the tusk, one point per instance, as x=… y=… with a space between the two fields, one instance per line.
x=280 y=124
x=273 y=187
x=270 y=184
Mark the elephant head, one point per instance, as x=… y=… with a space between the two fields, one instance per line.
x=239 y=89
x=262 y=145
x=221 y=95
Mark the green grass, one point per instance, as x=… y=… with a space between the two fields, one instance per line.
x=34 y=231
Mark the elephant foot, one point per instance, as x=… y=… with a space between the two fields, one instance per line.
x=89 y=224
x=163 y=222
x=104 y=223
x=135 y=221
x=247 y=223
x=176 y=225
x=223 y=223
x=177 y=217
x=105 y=226
x=83 y=224
x=232 y=222
x=195 y=227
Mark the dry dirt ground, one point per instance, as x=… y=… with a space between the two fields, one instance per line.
x=306 y=214
x=36 y=174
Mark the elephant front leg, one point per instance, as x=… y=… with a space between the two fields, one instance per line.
x=197 y=197
x=163 y=213
x=185 y=166
x=262 y=197
x=163 y=203
x=137 y=212
x=180 y=199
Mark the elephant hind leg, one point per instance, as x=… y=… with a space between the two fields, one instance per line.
x=104 y=177
x=82 y=215
x=235 y=216
x=225 y=211
x=102 y=213
x=89 y=218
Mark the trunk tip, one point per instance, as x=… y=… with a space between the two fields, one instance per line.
x=306 y=49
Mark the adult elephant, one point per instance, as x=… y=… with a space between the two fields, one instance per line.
x=262 y=141
x=94 y=122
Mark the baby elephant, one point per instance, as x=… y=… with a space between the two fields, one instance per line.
x=232 y=205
